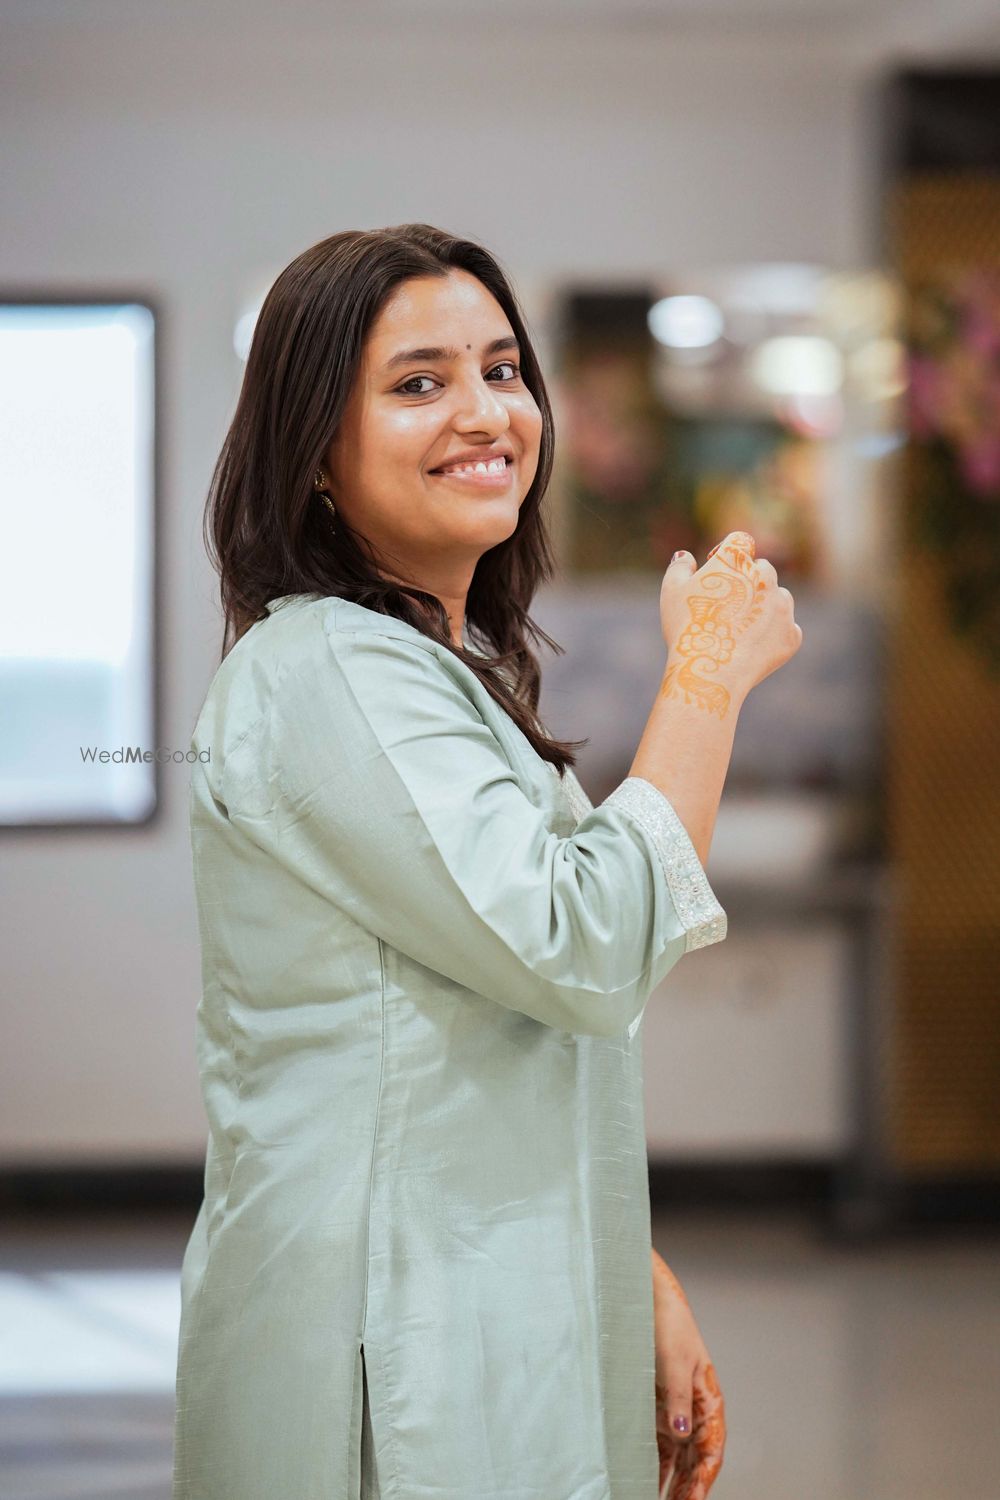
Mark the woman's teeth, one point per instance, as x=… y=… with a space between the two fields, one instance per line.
x=483 y=474
x=495 y=466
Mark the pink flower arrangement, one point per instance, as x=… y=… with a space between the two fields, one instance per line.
x=954 y=376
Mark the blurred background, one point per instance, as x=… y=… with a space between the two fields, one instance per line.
x=758 y=244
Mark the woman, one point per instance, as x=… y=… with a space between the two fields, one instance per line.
x=422 y=1265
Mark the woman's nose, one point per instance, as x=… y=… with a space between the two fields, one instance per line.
x=480 y=407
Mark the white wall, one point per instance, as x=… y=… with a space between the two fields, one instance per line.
x=191 y=159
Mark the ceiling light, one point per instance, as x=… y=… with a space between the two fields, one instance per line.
x=797 y=365
x=685 y=322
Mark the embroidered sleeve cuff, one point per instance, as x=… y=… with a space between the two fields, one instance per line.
x=702 y=917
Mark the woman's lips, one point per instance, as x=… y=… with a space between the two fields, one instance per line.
x=480 y=479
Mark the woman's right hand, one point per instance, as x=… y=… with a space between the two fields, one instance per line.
x=727 y=625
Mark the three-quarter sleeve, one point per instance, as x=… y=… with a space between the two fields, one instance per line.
x=390 y=796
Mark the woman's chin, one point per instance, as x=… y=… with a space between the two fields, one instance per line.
x=492 y=524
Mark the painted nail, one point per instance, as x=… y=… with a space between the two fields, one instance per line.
x=682 y=1424
x=676 y=555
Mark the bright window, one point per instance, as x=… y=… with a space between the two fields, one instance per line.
x=77 y=482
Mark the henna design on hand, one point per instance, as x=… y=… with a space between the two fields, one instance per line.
x=720 y=609
x=693 y=1466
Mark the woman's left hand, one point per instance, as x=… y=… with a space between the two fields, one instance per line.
x=686 y=1391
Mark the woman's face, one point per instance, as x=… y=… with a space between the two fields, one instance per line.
x=439 y=382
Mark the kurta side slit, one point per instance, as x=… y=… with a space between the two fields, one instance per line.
x=369 y=1489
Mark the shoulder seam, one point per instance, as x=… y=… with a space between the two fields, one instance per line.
x=407 y=633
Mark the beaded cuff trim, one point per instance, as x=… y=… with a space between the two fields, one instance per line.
x=703 y=919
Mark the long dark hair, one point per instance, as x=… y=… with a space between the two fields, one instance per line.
x=268 y=531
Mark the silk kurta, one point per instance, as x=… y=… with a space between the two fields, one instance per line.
x=421 y=1269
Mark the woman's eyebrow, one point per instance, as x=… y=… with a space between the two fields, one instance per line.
x=408 y=356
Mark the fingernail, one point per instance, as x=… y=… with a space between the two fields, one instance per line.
x=676 y=555
x=682 y=1424
x=714 y=549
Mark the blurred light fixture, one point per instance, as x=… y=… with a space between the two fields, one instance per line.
x=797 y=365
x=858 y=306
x=685 y=322
x=879 y=368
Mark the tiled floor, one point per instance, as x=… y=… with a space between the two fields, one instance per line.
x=848 y=1373
x=88 y=1338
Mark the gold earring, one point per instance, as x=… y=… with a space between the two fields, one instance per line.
x=319 y=481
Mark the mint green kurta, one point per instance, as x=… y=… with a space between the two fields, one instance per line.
x=422 y=1266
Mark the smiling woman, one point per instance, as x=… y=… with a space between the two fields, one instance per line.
x=422 y=1263
x=432 y=470
x=374 y=366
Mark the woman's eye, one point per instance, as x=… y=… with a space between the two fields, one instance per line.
x=411 y=381
x=408 y=386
